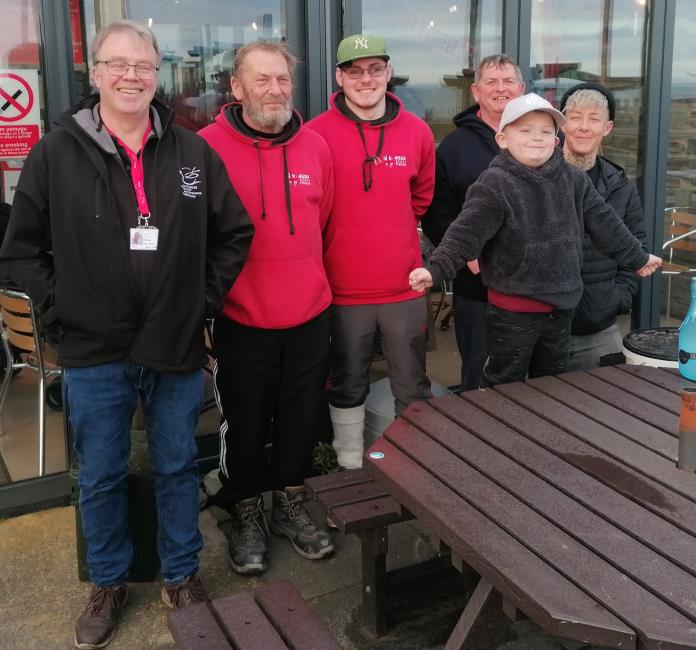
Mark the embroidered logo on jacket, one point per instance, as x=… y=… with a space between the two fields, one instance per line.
x=393 y=160
x=190 y=182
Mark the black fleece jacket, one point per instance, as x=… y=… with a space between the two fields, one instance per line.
x=67 y=243
x=609 y=289
x=461 y=157
x=526 y=227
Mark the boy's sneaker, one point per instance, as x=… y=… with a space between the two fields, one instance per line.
x=95 y=627
x=248 y=537
x=184 y=593
x=290 y=518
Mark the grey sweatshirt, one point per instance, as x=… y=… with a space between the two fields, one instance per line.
x=525 y=226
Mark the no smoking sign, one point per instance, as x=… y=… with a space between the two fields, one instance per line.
x=16 y=97
x=20 y=120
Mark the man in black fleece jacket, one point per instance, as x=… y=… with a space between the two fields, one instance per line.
x=461 y=158
x=525 y=218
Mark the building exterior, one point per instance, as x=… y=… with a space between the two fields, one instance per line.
x=641 y=49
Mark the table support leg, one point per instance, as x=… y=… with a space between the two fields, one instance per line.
x=482 y=596
x=374 y=545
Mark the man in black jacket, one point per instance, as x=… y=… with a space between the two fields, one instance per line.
x=126 y=233
x=461 y=158
x=608 y=289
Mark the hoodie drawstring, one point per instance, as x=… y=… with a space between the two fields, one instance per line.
x=286 y=174
x=263 y=198
x=370 y=160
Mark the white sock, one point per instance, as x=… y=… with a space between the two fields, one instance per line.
x=348 y=425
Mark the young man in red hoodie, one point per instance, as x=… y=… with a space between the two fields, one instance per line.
x=271 y=339
x=384 y=163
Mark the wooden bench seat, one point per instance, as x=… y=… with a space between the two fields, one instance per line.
x=274 y=617
x=356 y=504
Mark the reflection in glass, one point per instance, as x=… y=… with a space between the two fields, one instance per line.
x=681 y=164
x=434 y=49
x=596 y=40
x=198 y=40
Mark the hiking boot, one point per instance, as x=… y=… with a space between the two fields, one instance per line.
x=291 y=519
x=95 y=627
x=247 y=543
x=184 y=593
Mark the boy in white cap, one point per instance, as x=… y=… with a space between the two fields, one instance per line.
x=524 y=221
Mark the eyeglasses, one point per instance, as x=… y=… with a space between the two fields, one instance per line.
x=120 y=68
x=376 y=70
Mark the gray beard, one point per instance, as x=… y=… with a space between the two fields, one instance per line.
x=275 y=123
x=581 y=162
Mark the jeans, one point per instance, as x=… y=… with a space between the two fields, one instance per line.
x=470 y=330
x=102 y=400
x=586 y=350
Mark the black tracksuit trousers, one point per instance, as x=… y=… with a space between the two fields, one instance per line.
x=268 y=381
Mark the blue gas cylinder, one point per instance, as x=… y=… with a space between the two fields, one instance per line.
x=687 y=339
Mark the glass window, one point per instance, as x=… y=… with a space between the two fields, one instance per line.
x=680 y=196
x=198 y=39
x=599 y=41
x=434 y=49
x=22 y=109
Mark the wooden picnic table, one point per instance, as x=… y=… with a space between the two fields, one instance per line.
x=564 y=495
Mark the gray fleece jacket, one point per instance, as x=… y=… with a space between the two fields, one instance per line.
x=525 y=226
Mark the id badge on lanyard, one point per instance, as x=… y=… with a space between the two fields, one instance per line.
x=143 y=237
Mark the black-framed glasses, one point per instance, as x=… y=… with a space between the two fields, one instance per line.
x=375 y=70
x=120 y=68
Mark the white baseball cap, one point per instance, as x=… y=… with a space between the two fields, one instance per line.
x=520 y=106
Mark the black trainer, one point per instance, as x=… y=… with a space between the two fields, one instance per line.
x=247 y=543
x=95 y=627
x=291 y=519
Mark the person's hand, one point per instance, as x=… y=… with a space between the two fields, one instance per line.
x=653 y=264
x=474 y=266
x=420 y=279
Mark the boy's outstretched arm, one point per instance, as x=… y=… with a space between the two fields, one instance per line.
x=420 y=279
x=652 y=265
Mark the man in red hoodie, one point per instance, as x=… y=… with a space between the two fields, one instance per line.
x=384 y=162
x=271 y=339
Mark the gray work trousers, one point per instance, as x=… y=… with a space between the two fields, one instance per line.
x=403 y=331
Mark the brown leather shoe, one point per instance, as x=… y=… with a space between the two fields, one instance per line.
x=95 y=627
x=184 y=593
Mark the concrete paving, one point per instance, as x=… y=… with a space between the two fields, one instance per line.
x=40 y=595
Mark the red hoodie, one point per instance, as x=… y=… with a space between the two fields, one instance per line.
x=371 y=243
x=283 y=282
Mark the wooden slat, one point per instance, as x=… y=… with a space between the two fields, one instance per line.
x=245 y=624
x=358 y=517
x=21 y=341
x=483 y=471
x=293 y=618
x=18 y=323
x=522 y=577
x=624 y=451
x=195 y=628
x=657 y=417
x=640 y=388
x=594 y=462
x=659 y=376
x=631 y=517
x=627 y=425
x=318 y=484
x=352 y=494
x=17 y=305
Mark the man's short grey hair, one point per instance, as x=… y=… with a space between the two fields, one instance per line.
x=142 y=32
x=497 y=61
x=586 y=98
x=276 y=47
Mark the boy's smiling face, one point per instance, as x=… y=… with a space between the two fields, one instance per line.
x=530 y=139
